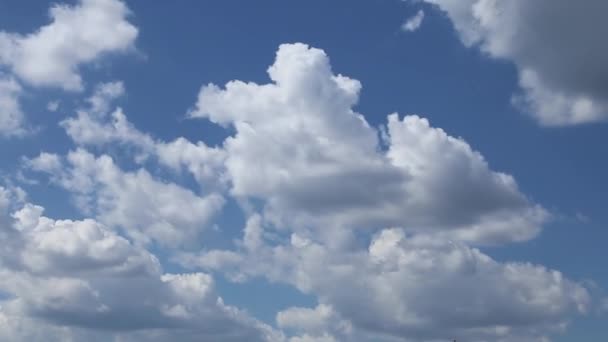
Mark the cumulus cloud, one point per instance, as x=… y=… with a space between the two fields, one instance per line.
x=301 y=148
x=555 y=46
x=82 y=276
x=314 y=324
x=413 y=23
x=146 y=208
x=316 y=170
x=76 y=35
x=100 y=125
x=416 y=287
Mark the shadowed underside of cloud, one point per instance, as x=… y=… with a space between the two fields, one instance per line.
x=556 y=45
x=82 y=275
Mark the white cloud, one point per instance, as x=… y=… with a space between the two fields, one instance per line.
x=11 y=115
x=414 y=287
x=53 y=106
x=78 y=34
x=101 y=125
x=308 y=338
x=316 y=171
x=314 y=324
x=148 y=209
x=79 y=280
x=300 y=147
x=413 y=23
x=555 y=45
x=104 y=95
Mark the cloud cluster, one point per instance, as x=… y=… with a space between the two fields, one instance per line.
x=319 y=173
x=76 y=35
x=53 y=55
x=381 y=225
x=555 y=46
x=300 y=148
x=83 y=276
x=424 y=288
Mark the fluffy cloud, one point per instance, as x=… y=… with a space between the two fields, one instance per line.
x=556 y=47
x=416 y=287
x=101 y=125
x=412 y=24
x=314 y=324
x=146 y=208
x=301 y=148
x=11 y=115
x=98 y=124
x=78 y=34
x=82 y=276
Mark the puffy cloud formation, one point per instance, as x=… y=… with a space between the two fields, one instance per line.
x=146 y=208
x=301 y=148
x=82 y=276
x=375 y=223
x=319 y=170
x=53 y=55
x=78 y=34
x=413 y=23
x=555 y=45
x=100 y=125
x=422 y=288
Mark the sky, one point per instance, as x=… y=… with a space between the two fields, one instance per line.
x=303 y=171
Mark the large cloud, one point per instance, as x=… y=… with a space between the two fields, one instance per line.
x=96 y=285
x=78 y=34
x=414 y=287
x=315 y=170
x=555 y=45
x=300 y=147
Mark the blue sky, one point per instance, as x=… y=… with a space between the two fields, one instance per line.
x=449 y=220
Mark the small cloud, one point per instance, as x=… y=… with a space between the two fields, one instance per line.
x=52 y=106
x=413 y=23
